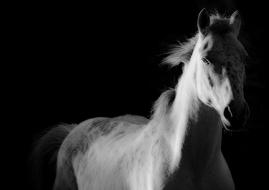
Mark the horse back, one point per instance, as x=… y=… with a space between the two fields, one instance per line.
x=78 y=142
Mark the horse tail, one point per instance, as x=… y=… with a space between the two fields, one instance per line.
x=44 y=156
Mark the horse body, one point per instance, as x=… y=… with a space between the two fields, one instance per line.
x=180 y=145
x=80 y=152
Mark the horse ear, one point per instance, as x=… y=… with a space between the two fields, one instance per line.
x=203 y=21
x=235 y=22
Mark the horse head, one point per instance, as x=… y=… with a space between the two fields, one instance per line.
x=220 y=67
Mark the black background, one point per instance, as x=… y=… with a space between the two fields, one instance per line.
x=73 y=61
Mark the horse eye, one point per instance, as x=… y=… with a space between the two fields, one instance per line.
x=205 y=60
x=206 y=45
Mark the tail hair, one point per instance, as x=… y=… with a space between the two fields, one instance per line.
x=44 y=156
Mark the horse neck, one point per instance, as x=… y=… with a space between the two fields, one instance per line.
x=202 y=143
x=193 y=124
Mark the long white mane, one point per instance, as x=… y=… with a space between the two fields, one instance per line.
x=182 y=52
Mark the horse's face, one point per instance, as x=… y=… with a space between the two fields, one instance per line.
x=223 y=68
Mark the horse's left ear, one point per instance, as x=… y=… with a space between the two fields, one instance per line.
x=235 y=21
x=203 y=21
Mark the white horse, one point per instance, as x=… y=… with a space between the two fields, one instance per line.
x=134 y=153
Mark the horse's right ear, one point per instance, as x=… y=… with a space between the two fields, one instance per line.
x=203 y=21
x=235 y=21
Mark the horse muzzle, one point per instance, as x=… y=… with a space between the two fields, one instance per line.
x=237 y=115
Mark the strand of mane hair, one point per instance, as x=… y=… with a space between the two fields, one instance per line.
x=162 y=105
x=181 y=53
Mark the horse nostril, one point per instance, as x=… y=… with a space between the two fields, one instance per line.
x=227 y=113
